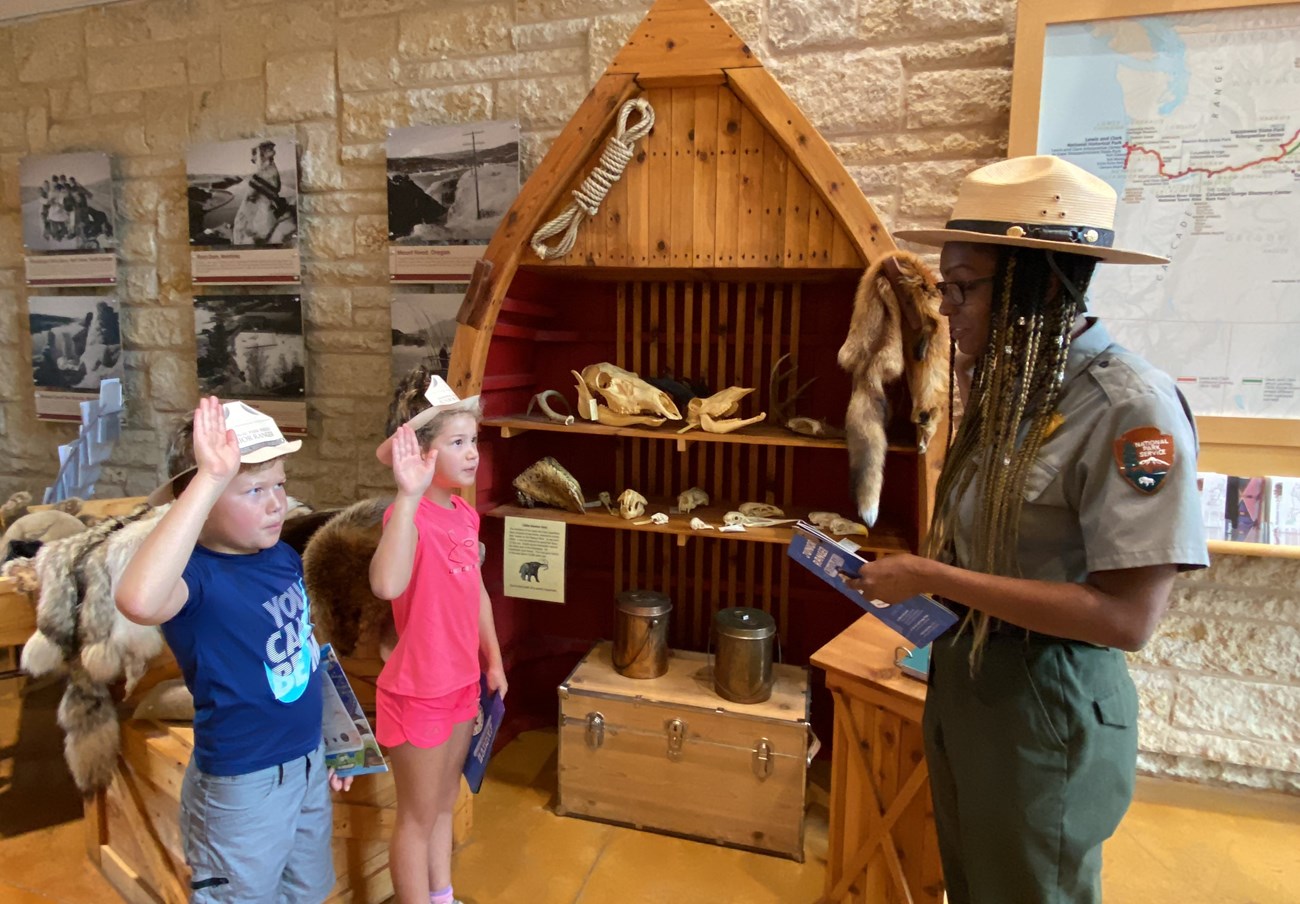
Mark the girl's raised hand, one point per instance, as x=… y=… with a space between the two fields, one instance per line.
x=216 y=450
x=412 y=471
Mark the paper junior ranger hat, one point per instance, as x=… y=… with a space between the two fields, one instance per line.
x=441 y=397
x=259 y=440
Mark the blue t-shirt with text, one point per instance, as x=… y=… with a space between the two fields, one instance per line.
x=244 y=643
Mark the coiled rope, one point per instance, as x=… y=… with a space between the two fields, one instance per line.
x=586 y=199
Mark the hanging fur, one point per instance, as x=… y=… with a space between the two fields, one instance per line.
x=926 y=346
x=78 y=625
x=336 y=565
x=873 y=354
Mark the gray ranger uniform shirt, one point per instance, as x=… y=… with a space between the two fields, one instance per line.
x=1114 y=485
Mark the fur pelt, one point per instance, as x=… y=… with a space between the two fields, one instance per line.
x=14 y=508
x=926 y=347
x=37 y=528
x=872 y=353
x=78 y=625
x=336 y=565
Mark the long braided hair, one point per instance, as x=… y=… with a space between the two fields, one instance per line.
x=1037 y=295
x=408 y=401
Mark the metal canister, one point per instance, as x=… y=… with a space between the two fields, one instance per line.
x=641 y=634
x=742 y=667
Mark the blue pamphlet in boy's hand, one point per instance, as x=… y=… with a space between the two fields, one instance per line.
x=491 y=710
x=920 y=619
x=350 y=746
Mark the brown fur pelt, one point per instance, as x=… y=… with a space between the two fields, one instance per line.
x=336 y=566
x=78 y=625
x=14 y=508
x=872 y=353
x=926 y=346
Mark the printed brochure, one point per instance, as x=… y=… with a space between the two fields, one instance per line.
x=350 y=745
x=491 y=710
x=920 y=619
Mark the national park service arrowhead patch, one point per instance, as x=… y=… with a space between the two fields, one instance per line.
x=1145 y=456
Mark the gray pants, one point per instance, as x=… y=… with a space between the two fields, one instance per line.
x=259 y=838
x=1032 y=764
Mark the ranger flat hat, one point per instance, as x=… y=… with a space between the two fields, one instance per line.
x=259 y=439
x=1035 y=202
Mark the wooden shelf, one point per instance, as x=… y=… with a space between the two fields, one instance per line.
x=1260 y=550
x=757 y=434
x=882 y=541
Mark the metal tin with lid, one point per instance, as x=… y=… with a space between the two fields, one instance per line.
x=641 y=634
x=742 y=667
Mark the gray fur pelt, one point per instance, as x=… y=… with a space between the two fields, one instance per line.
x=78 y=625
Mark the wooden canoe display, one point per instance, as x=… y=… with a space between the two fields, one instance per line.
x=730 y=249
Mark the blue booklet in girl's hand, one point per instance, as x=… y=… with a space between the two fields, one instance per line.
x=920 y=619
x=491 y=710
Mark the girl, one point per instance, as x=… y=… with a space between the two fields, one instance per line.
x=1066 y=506
x=427 y=563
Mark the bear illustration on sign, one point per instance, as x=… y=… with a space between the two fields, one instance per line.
x=528 y=570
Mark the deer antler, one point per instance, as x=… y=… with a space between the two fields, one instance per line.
x=785 y=380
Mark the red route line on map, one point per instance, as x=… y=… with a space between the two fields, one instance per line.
x=1287 y=147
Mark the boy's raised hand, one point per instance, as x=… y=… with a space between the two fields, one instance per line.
x=216 y=450
x=412 y=471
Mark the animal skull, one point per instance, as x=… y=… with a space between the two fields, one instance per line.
x=700 y=524
x=761 y=510
x=846 y=527
x=692 y=499
x=631 y=504
x=733 y=518
x=714 y=414
x=624 y=394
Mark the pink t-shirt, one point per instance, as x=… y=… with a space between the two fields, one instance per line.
x=437 y=614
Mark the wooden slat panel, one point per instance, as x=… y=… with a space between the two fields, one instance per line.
x=727 y=188
x=751 y=189
x=842 y=251
x=682 y=39
x=681 y=192
x=821 y=232
x=706 y=176
x=659 y=167
x=771 y=240
x=798 y=195
x=614 y=220
x=636 y=220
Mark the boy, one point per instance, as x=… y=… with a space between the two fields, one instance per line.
x=256 y=817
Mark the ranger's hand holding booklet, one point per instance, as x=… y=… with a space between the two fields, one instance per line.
x=920 y=619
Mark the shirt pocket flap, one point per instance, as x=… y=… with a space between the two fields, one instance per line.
x=1040 y=477
x=1117 y=708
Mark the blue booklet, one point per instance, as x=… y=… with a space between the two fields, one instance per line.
x=350 y=746
x=920 y=619
x=491 y=710
x=915 y=664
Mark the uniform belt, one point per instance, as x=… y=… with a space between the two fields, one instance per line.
x=1000 y=628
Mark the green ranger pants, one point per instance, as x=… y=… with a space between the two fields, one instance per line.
x=1032 y=761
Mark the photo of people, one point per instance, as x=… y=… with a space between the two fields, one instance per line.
x=450 y=185
x=243 y=193
x=424 y=328
x=76 y=341
x=250 y=346
x=67 y=203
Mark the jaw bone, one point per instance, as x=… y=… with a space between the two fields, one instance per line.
x=714 y=414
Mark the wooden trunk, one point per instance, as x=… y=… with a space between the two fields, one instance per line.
x=669 y=754
x=133 y=831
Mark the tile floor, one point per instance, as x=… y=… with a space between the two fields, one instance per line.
x=1180 y=843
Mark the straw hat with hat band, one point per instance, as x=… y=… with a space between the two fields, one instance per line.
x=259 y=438
x=1035 y=202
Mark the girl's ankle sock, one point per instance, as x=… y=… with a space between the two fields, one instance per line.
x=443 y=896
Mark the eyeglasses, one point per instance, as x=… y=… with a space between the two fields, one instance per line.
x=954 y=291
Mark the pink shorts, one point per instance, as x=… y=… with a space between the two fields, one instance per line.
x=422 y=721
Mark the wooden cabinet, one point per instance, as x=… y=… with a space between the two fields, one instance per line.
x=733 y=242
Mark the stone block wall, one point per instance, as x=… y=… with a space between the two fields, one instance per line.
x=911 y=93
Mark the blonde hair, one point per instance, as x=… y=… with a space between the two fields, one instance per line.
x=408 y=401
x=1037 y=295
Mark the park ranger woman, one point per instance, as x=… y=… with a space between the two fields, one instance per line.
x=1066 y=507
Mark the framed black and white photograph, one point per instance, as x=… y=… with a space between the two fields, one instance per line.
x=243 y=211
x=448 y=187
x=250 y=346
x=424 y=328
x=69 y=219
x=76 y=342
